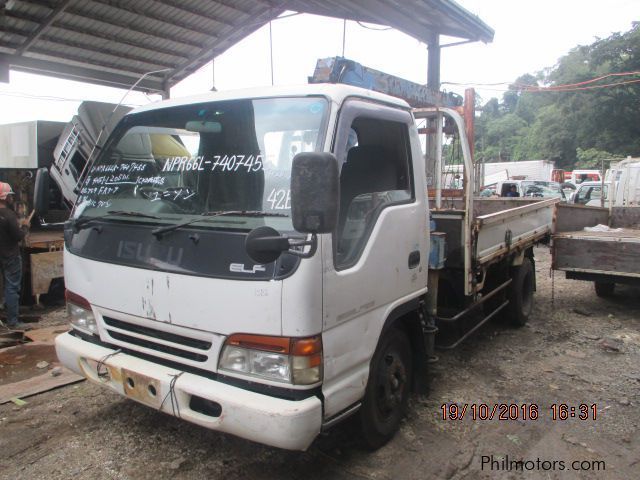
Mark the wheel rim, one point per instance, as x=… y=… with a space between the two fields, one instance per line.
x=391 y=382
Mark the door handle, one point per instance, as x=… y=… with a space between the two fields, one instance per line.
x=414 y=259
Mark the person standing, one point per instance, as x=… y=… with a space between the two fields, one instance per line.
x=12 y=232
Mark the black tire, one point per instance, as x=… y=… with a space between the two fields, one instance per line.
x=388 y=388
x=604 y=290
x=521 y=294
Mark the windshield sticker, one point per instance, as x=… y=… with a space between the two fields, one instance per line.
x=279 y=199
x=121 y=167
x=225 y=163
x=169 y=194
x=316 y=108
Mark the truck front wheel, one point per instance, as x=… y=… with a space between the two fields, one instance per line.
x=603 y=289
x=388 y=389
x=521 y=294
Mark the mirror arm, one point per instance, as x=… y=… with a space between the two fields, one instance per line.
x=43 y=223
x=313 y=242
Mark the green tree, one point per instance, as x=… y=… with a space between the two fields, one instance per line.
x=550 y=137
x=594 y=158
x=573 y=125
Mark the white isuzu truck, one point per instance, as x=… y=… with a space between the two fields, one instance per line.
x=260 y=262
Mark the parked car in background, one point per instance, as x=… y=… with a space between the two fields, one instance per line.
x=531 y=188
x=590 y=194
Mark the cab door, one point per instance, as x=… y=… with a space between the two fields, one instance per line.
x=376 y=260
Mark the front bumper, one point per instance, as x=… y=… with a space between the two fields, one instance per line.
x=287 y=424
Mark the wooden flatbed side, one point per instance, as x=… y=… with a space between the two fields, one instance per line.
x=44 y=248
x=614 y=253
x=45 y=239
x=607 y=253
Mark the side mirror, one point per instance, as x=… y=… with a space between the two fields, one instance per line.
x=315 y=196
x=264 y=245
x=41 y=192
x=315 y=192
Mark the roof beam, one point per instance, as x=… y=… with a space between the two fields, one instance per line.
x=130 y=7
x=80 y=14
x=388 y=16
x=462 y=16
x=230 y=5
x=69 y=11
x=96 y=34
x=178 y=5
x=66 y=56
x=213 y=49
x=461 y=23
x=45 y=23
x=85 y=46
x=81 y=74
x=331 y=8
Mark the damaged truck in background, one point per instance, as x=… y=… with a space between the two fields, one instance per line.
x=62 y=150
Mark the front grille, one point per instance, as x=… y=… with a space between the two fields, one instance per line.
x=178 y=340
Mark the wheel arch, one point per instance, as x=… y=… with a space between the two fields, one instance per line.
x=406 y=318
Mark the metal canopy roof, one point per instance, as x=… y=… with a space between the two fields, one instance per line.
x=115 y=42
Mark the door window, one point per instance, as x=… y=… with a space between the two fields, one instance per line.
x=376 y=173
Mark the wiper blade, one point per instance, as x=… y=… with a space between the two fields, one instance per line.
x=130 y=214
x=256 y=213
x=158 y=232
x=79 y=223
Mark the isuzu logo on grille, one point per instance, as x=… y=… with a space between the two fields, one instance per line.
x=147 y=253
x=239 y=268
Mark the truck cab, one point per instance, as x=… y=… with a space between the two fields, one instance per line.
x=160 y=281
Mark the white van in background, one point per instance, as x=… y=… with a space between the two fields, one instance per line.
x=627 y=184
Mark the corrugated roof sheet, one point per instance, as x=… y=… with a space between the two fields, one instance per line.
x=114 y=42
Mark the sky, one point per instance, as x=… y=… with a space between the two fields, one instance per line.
x=529 y=36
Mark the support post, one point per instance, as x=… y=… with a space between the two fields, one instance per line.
x=213 y=76
x=4 y=72
x=469 y=117
x=434 y=151
x=433 y=66
x=166 y=90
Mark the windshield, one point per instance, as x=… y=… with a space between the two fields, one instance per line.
x=586 y=193
x=180 y=163
x=542 y=189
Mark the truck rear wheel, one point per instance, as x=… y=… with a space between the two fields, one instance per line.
x=388 y=388
x=521 y=294
x=603 y=289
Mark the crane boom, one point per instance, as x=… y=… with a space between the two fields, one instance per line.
x=342 y=70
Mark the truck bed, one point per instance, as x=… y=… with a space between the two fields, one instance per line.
x=499 y=228
x=607 y=253
x=527 y=220
x=613 y=253
x=519 y=227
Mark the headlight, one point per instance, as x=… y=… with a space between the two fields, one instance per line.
x=80 y=314
x=292 y=360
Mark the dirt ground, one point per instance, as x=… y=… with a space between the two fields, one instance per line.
x=580 y=349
